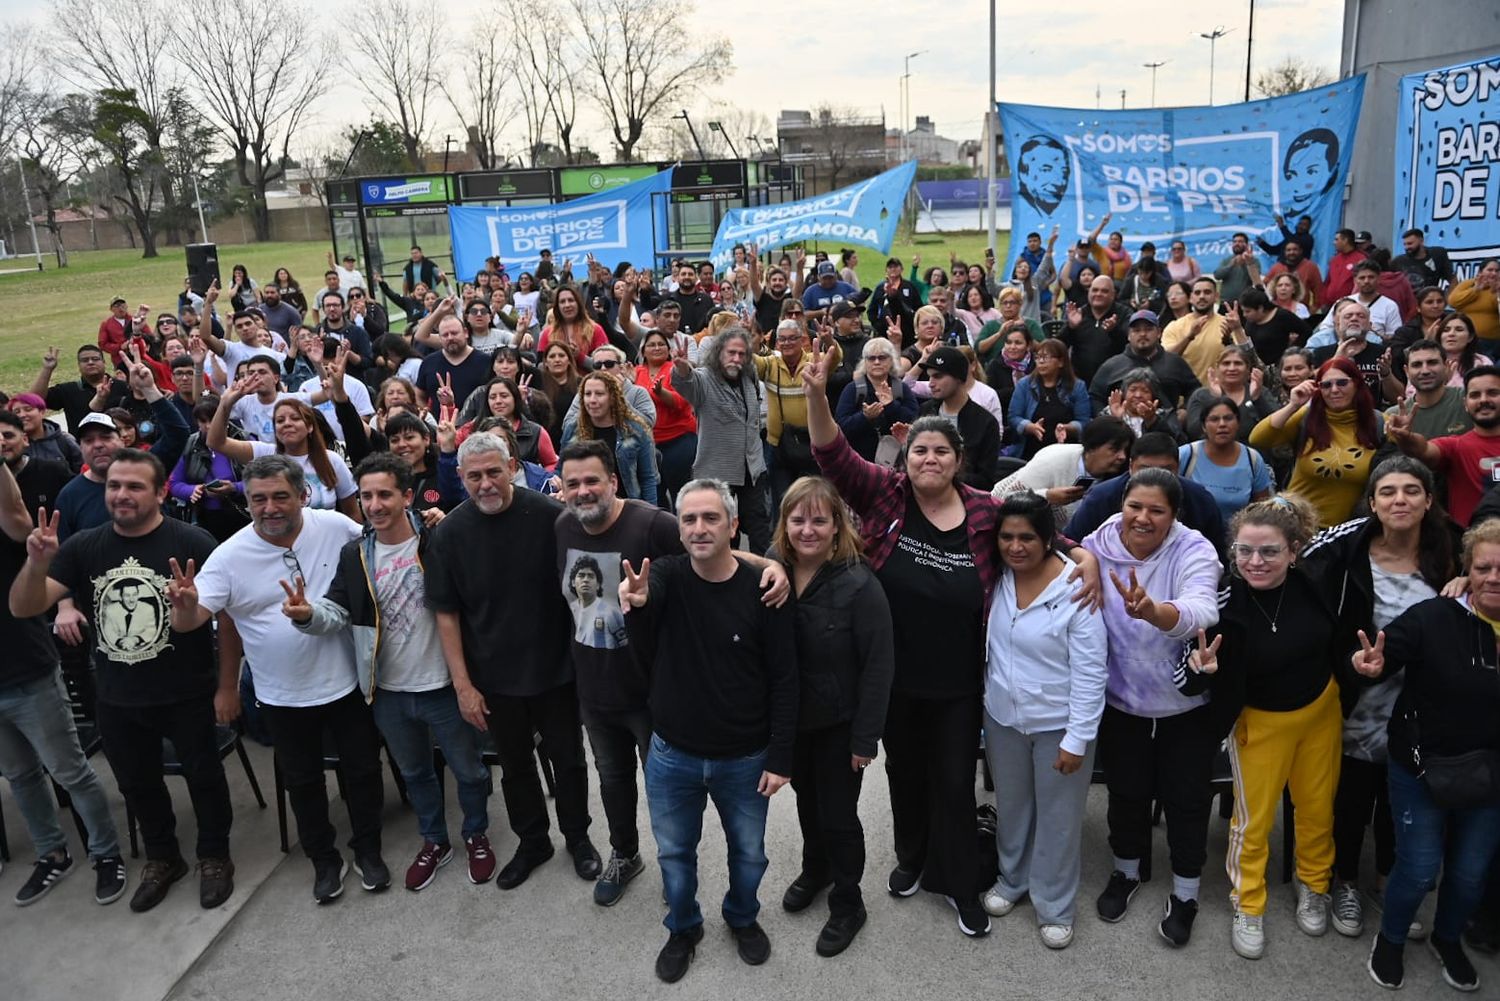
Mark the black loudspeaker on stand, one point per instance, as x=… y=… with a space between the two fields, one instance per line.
x=202 y=265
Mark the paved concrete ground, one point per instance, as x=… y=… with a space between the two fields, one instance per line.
x=548 y=940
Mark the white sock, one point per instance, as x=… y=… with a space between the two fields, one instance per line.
x=1130 y=867
x=1185 y=888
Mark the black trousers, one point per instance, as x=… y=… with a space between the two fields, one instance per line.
x=1170 y=759
x=132 y=744
x=833 y=842
x=1362 y=799
x=300 y=734
x=620 y=740
x=930 y=749
x=554 y=715
x=754 y=502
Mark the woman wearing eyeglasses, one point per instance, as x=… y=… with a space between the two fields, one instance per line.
x=1331 y=422
x=1268 y=665
x=875 y=400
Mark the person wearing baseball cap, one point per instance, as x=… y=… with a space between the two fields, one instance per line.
x=819 y=298
x=120 y=326
x=948 y=374
x=1143 y=350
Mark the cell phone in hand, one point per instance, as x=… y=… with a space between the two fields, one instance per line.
x=1084 y=481
x=215 y=484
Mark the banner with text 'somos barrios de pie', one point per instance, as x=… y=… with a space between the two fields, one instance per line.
x=1196 y=174
x=1448 y=161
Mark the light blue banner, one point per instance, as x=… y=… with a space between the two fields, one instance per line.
x=1448 y=161
x=863 y=214
x=1195 y=174
x=615 y=225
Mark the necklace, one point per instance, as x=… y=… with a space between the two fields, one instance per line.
x=1270 y=618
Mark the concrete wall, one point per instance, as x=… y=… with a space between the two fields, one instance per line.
x=287 y=226
x=1386 y=40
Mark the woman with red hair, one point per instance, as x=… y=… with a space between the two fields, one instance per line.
x=1331 y=422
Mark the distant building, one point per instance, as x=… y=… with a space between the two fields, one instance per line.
x=923 y=144
x=832 y=150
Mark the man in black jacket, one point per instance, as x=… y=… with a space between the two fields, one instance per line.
x=1097 y=332
x=1143 y=350
x=894 y=298
x=948 y=376
x=696 y=304
x=1423 y=265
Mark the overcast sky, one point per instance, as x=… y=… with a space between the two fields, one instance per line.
x=1054 y=55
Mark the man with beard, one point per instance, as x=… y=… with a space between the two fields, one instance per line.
x=1201 y=336
x=1469 y=461
x=1143 y=350
x=768 y=300
x=1353 y=338
x=280 y=316
x=505 y=637
x=455 y=371
x=1239 y=271
x=338 y=325
x=306 y=685
x=73 y=397
x=1293 y=262
x=696 y=305
x=1436 y=409
x=162 y=686
x=39 y=480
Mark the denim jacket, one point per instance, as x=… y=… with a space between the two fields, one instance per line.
x=635 y=458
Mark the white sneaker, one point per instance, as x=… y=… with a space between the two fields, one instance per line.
x=1348 y=912
x=1312 y=910
x=997 y=904
x=1248 y=935
x=1057 y=936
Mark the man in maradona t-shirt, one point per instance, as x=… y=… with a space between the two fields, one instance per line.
x=154 y=681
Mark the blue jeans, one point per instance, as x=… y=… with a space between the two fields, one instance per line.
x=1422 y=830
x=678 y=786
x=410 y=722
x=37 y=738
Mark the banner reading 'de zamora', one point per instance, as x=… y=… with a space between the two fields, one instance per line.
x=1448 y=161
x=616 y=225
x=863 y=214
x=1196 y=174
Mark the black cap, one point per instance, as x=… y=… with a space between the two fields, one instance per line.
x=949 y=361
x=1363 y=236
x=844 y=308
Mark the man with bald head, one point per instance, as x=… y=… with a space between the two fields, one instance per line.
x=1096 y=332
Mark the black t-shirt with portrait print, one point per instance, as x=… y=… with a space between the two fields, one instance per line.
x=611 y=674
x=120 y=583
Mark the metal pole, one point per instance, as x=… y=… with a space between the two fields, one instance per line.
x=989 y=133
x=202 y=226
x=1213 y=42
x=1153 y=67
x=1249 y=48
x=36 y=247
x=906 y=103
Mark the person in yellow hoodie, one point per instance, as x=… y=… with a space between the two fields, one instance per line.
x=1479 y=299
x=1332 y=423
x=1201 y=336
x=786 y=406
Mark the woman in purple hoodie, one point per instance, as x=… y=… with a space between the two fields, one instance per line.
x=1155 y=742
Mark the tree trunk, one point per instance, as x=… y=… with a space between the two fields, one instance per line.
x=56 y=231
x=260 y=215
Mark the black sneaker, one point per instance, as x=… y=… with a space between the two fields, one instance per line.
x=972 y=919
x=585 y=859
x=1116 y=896
x=109 y=879
x=1387 y=963
x=1483 y=934
x=753 y=944
x=44 y=877
x=617 y=873
x=328 y=878
x=519 y=868
x=803 y=891
x=1177 y=920
x=156 y=879
x=374 y=876
x=904 y=882
x=215 y=882
x=1457 y=970
x=839 y=932
x=677 y=955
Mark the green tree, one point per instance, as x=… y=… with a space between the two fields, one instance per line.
x=121 y=128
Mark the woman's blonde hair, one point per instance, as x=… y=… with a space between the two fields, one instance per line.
x=1484 y=533
x=928 y=311
x=1290 y=514
x=817 y=492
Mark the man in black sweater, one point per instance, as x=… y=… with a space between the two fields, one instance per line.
x=723 y=697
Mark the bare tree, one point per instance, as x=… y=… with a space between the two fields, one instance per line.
x=1291 y=76
x=546 y=62
x=256 y=84
x=18 y=45
x=671 y=139
x=401 y=48
x=480 y=100
x=643 y=55
x=47 y=137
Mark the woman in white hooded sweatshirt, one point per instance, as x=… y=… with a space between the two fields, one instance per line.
x=1043 y=695
x=1155 y=742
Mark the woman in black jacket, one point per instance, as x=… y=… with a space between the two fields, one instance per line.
x=1444 y=760
x=845 y=647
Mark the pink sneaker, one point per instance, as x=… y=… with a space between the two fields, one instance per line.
x=481 y=859
x=429 y=860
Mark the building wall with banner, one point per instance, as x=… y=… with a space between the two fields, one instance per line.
x=1386 y=40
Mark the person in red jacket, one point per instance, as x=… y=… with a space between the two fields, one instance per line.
x=119 y=326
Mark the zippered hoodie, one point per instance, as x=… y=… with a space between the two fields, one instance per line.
x=1184 y=571
x=1046 y=665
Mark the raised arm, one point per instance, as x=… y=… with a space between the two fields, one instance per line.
x=218 y=429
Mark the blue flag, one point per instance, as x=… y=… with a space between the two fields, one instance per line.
x=1448 y=161
x=615 y=225
x=1196 y=174
x=864 y=214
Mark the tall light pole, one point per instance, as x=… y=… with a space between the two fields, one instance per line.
x=1213 y=41
x=202 y=226
x=1153 y=67
x=906 y=97
x=990 y=134
x=30 y=221
x=719 y=128
x=1249 y=48
x=692 y=132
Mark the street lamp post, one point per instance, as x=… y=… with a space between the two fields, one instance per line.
x=906 y=98
x=1249 y=48
x=1213 y=41
x=1153 y=67
x=197 y=198
x=719 y=128
x=692 y=132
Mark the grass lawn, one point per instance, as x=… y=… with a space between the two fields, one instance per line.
x=63 y=307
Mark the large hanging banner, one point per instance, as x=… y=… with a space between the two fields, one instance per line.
x=1196 y=174
x=619 y=224
x=863 y=214
x=1448 y=161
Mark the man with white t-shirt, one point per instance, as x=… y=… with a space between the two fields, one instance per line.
x=251 y=338
x=253 y=411
x=357 y=391
x=306 y=684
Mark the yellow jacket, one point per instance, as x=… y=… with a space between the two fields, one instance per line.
x=785 y=401
x=1479 y=305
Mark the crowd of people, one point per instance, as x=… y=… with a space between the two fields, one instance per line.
x=1052 y=517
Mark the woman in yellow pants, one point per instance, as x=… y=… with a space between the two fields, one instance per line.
x=1269 y=666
